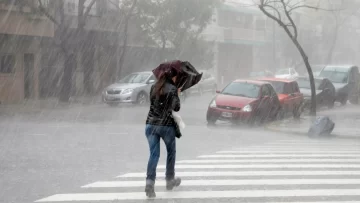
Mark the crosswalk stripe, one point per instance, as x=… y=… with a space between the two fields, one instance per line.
x=269 y=161
x=248 y=166
x=276 y=155
x=246 y=173
x=229 y=182
x=288 y=152
x=203 y=195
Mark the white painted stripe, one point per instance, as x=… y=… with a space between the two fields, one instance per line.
x=284 y=166
x=268 y=161
x=229 y=182
x=245 y=173
x=304 y=148
x=289 y=152
x=276 y=155
x=311 y=144
x=203 y=195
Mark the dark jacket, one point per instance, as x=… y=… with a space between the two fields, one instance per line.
x=161 y=108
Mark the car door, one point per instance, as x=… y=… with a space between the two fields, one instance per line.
x=274 y=103
x=298 y=95
x=265 y=102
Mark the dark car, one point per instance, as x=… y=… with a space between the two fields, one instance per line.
x=244 y=101
x=346 y=82
x=325 y=92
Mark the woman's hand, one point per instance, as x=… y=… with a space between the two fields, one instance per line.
x=179 y=91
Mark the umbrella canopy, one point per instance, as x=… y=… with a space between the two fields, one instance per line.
x=187 y=75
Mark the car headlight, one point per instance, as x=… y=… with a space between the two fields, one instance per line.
x=213 y=104
x=127 y=91
x=247 y=108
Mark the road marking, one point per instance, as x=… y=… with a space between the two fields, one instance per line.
x=229 y=182
x=246 y=173
x=284 y=166
x=268 y=161
x=203 y=195
x=277 y=155
x=290 y=152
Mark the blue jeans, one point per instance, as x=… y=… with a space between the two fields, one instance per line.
x=153 y=135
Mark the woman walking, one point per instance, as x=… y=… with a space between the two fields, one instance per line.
x=164 y=98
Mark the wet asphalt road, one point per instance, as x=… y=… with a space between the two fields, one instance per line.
x=58 y=151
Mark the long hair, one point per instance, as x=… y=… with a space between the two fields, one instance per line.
x=159 y=86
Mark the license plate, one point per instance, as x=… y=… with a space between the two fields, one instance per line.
x=227 y=114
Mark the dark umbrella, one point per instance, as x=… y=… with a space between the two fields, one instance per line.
x=187 y=75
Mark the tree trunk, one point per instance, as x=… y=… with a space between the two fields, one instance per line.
x=125 y=40
x=88 y=68
x=66 y=83
x=311 y=76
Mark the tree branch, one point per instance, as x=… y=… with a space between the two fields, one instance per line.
x=88 y=9
x=42 y=10
x=287 y=13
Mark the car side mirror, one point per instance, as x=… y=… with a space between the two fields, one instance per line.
x=151 y=81
x=218 y=91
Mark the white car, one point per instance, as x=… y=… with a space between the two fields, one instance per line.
x=286 y=73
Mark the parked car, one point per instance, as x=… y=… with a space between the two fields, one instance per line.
x=325 y=92
x=289 y=94
x=317 y=69
x=265 y=73
x=244 y=101
x=207 y=84
x=346 y=82
x=134 y=88
x=286 y=73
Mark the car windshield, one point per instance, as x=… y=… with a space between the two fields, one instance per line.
x=335 y=76
x=242 y=89
x=135 y=78
x=305 y=83
x=282 y=72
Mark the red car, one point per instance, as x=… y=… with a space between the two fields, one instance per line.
x=289 y=94
x=244 y=101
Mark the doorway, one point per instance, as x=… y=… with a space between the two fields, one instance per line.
x=28 y=75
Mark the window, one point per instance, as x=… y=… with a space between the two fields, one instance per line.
x=295 y=87
x=7 y=63
x=242 y=89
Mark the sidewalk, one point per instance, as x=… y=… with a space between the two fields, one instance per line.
x=346 y=124
x=37 y=106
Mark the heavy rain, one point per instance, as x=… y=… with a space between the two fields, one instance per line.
x=179 y=101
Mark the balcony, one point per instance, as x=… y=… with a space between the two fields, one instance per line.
x=16 y=20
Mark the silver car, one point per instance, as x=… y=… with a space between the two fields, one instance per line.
x=134 y=88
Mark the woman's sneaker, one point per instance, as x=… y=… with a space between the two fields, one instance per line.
x=150 y=191
x=170 y=184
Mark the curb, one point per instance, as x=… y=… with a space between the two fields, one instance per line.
x=297 y=133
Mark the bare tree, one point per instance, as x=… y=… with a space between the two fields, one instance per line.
x=281 y=12
x=66 y=39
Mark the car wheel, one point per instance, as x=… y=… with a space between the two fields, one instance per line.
x=142 y=98
x=280 y=114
